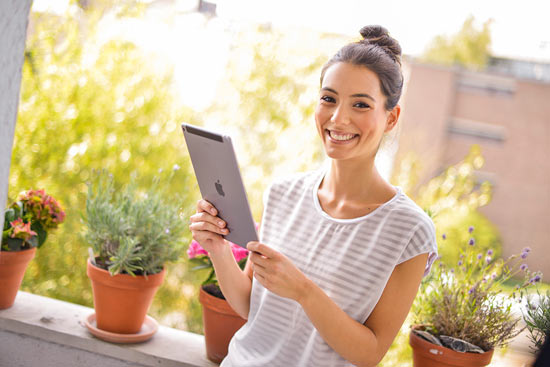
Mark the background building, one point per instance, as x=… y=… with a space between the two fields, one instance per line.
x=505 y=110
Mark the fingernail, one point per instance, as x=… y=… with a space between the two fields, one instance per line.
x=220 y=223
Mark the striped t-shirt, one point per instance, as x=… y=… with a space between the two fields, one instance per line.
x=350 y=259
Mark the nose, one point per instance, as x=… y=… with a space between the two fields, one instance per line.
x=340 y=115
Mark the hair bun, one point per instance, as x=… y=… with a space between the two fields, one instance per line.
x=378 y=35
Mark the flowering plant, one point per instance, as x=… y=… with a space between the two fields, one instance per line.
x=27 y=220
x=537 y=319
x=464 y=307
x=200 y=258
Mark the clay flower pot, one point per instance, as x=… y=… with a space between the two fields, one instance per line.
x=12 y=269
x=220 y=324
x=426 y=354
x=121 y=301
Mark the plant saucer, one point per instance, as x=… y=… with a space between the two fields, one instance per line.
x=148 y=329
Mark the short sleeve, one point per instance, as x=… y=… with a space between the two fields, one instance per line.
x=422 y=241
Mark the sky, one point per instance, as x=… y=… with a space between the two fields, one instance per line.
x=519 y=29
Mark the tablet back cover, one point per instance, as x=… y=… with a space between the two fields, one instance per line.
x=220 y=182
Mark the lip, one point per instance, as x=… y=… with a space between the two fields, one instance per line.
x=334 y=141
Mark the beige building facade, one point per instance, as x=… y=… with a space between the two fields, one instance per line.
x=446 y=110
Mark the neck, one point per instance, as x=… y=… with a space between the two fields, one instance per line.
x=353 y=180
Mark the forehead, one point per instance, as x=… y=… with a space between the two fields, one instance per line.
x=348 y=78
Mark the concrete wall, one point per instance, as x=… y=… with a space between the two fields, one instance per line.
x=447 y=110
x=14 y=15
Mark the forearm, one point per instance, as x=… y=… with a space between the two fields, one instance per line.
x=234 y=283
x=350 y=339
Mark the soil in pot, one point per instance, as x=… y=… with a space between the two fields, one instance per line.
x=426 y=354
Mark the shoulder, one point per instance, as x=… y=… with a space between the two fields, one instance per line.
x=293 y=183
x=406 y=211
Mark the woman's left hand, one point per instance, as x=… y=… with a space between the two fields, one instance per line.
x=276 y=272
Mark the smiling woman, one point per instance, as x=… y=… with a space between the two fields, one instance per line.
x=341 y=251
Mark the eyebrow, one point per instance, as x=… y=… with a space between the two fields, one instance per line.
x=353 y=95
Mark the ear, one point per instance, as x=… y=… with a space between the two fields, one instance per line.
x=393 y=117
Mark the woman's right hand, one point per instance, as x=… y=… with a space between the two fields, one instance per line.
x=207 y=228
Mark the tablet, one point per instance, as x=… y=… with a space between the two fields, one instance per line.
x=220 y=182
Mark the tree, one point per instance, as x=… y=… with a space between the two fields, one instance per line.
x=470 y=47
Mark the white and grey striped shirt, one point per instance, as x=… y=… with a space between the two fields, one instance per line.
x=350 y=259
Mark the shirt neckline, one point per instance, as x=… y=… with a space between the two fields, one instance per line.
x=325 y=215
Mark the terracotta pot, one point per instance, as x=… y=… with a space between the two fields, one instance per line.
x=12 y=269
x=220 y=324
x=121 y=301
x=426 y=354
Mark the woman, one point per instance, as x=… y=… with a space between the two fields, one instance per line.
x=342 y=251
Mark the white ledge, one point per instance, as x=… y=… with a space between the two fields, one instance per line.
x=43 y=331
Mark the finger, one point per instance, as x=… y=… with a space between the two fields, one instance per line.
x=261 y=249
x=205 y=206
x=258 y=259
x=209 y=227
x=205 y=217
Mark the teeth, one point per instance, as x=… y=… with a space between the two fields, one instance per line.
x=340 y=137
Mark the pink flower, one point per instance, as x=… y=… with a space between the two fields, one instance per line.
x=238 y=252
x=21 y=229
x=195 y=249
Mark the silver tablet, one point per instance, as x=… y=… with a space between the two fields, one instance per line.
x=220 y=182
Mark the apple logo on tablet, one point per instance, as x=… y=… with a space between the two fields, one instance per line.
x=219 y=188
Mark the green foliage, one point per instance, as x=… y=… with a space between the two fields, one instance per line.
x=271 y=102
x=132 y=232
x=90 y=105
x=537 y=318
x=470 y=47
x=452 y=199
x=465 y=300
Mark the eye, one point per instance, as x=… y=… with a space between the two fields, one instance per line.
x=328 y=99
x=361 y=105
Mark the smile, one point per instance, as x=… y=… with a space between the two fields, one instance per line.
x=340 y=137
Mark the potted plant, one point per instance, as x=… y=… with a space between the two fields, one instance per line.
x=461 y=313
x=132 y=234
x=220 y=321
x=537 y=319
x=26 y=222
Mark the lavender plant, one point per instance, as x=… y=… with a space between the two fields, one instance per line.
x=537 y=319
x=131 y=231
x=467 y=301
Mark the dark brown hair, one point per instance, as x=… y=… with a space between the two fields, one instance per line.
x=378 y=52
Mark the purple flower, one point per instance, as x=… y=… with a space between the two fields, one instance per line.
x=494 y=276
x=460 y=263
x=479 y=256
x=471 y=242
x=488 y=259
x=537 y=278
x=444 y=236
x=524 y=255
x=523 y=267
x=471 y=229
x=489 y=252
x=472 y=290
x=526 y=249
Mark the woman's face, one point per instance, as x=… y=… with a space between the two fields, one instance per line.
x=350 y=114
